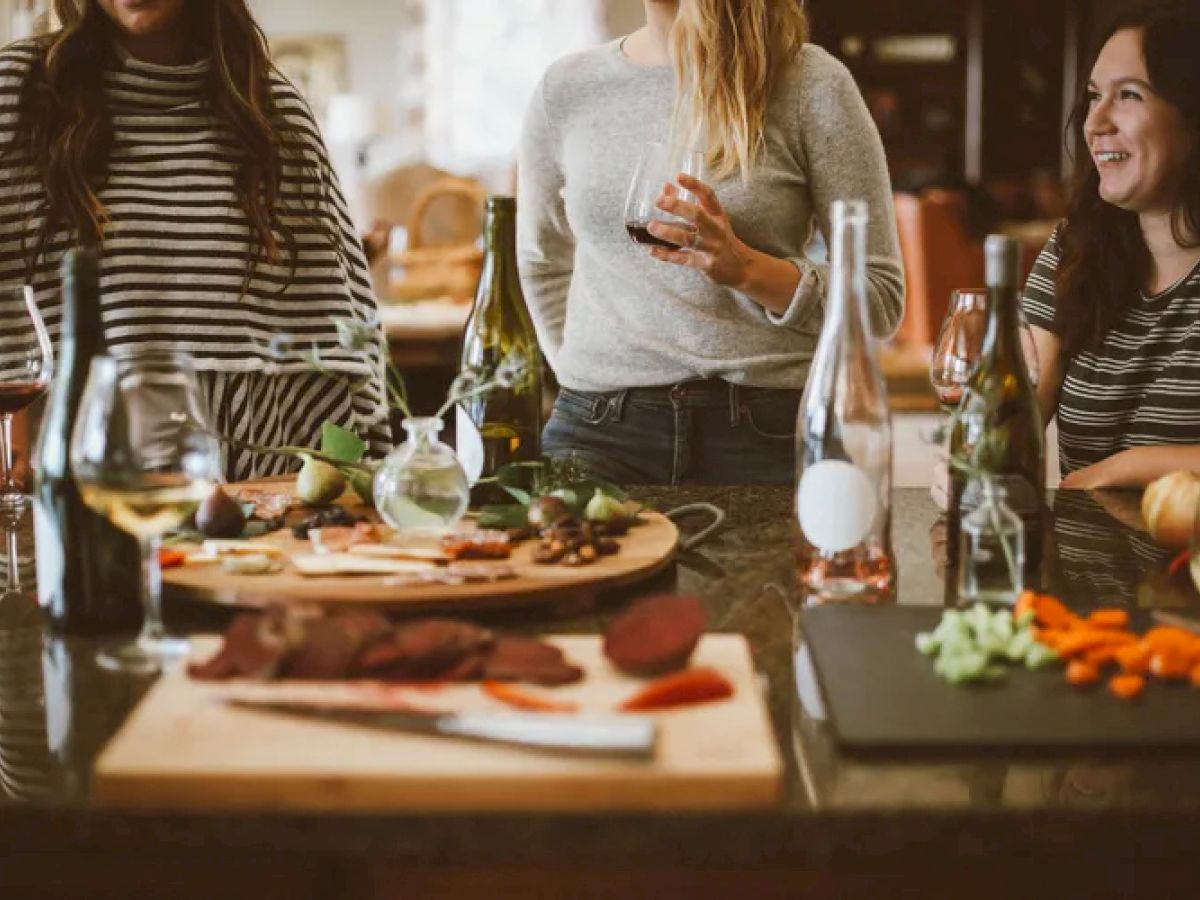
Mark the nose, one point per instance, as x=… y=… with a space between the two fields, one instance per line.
x=1099 y=120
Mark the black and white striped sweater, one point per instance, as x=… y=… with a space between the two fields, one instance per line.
x=173 y=264
x=1141 y=387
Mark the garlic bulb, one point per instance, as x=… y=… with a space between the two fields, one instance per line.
x=1169 y=508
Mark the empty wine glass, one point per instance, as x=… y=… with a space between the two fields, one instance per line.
x=26 y=364
x=959 y=345
x=657 y=167
x=143 y=457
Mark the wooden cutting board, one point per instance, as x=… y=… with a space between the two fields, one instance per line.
x=882 y=696
x=645 y=550
x=182 y=747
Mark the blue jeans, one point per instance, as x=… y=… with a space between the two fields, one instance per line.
x=694 y=432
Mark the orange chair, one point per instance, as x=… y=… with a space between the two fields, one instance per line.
x=939 y=256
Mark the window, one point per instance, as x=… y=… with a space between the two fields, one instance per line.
x=484 y=60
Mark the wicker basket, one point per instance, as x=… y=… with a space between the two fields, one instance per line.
x=421 y=272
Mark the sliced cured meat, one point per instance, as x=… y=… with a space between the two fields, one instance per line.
x=655 y=635
x=516 y=658
x=429 y=648
x=330 y=645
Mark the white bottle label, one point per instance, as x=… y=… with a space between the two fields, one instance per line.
x=468 y=443
x=836 y=505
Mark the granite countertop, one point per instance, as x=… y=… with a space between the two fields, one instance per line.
x=833 y=811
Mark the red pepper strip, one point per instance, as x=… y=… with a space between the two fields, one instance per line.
x=680 y=688
x=522 y=699
x=1178 y=563
x=169 y=559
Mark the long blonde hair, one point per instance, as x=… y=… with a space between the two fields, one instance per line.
x=728 y=56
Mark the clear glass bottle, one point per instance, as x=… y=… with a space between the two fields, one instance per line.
x=991 y=549
x=844 y=438
x=421 y=486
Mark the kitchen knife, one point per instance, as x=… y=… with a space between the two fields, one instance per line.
x=627 y=736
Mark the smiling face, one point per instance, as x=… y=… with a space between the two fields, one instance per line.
x=1137 y=139
x=143 y=19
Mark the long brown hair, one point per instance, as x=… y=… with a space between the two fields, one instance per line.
x=1104 y=260
x=728 y=56
x=65 y=125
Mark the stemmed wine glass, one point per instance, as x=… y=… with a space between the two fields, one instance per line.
x=657 y=167
x=143 y=457
x=960 y=342
x=26 y=364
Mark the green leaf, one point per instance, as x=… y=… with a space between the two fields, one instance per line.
x=341 y=444
x=503 y=515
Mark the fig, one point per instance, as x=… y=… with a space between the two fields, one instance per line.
x=604 y=508
x=319 y=483
x=545 y=511
x=220 y=516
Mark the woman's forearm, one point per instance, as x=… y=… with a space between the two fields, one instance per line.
x=769 y=281
x=1136 y=467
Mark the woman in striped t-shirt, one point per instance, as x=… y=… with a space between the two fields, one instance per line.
x=1114 y=299
x=159 y=130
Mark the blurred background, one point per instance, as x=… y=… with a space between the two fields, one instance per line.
x=421 y=104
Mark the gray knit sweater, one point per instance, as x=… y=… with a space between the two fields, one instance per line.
x=609 y=315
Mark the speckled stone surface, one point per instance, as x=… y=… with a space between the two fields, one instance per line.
x=835 y=811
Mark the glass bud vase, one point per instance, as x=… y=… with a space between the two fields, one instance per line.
x=421 y=486
x=991 y=550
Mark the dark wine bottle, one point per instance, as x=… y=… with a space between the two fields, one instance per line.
x=87 y=569
x=997 y=431
x=503 y=425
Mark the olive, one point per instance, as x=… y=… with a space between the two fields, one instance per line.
x=220 y=516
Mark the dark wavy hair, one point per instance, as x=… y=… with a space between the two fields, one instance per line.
x=65 y=126
x=1104 y=259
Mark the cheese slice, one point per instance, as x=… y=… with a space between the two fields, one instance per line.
x=236 y=547
x=312 y=564
x=391 y=551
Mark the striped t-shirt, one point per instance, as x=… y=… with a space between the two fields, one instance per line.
x=1141 y=387
x=174 y=259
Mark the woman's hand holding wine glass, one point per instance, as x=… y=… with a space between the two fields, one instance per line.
x=144 y=458
x=26 y=364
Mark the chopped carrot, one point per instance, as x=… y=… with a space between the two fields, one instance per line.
x=1108 y=618
x=1101 y=656
x=1052 y=613
x=1178 y=563
x=1170 y=664
x=1025 y=603
x=526 y=700
x=1126 y=686
x=1134 y=659
x=1081 y=640
x=169 y=559
x=1196 y=676
x=1081 y=673
x=680 y=688
x=1170 y=636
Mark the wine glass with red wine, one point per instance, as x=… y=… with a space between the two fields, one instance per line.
x=26 y=364
x=657 y=167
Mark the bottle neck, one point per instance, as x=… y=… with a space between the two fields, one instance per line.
x=847 y=309
x=500 y=247
x=1002 y=337
x=423 y=430
x=82 y=326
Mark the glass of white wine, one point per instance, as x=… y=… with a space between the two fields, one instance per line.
x=143 y=457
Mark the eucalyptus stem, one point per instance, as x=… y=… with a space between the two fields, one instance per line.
x=295 y=453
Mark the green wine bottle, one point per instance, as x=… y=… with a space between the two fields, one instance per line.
x=505 y=424
x=997 y=431
x=87 y=569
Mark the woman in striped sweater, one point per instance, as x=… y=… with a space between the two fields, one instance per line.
x=1114 y=299
x=159 y=130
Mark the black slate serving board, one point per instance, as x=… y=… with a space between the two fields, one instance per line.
x=882 y=696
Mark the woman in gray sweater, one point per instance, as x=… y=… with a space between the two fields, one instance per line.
x=686 y=363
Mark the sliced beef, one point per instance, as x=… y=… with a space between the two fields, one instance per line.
x=515 y=658
x=656 y=634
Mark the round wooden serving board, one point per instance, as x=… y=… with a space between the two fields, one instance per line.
x=646 y=549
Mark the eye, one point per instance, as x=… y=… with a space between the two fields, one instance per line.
x=1129 y=94
x=1092 y=97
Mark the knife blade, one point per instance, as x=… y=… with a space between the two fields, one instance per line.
x=632 y=736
